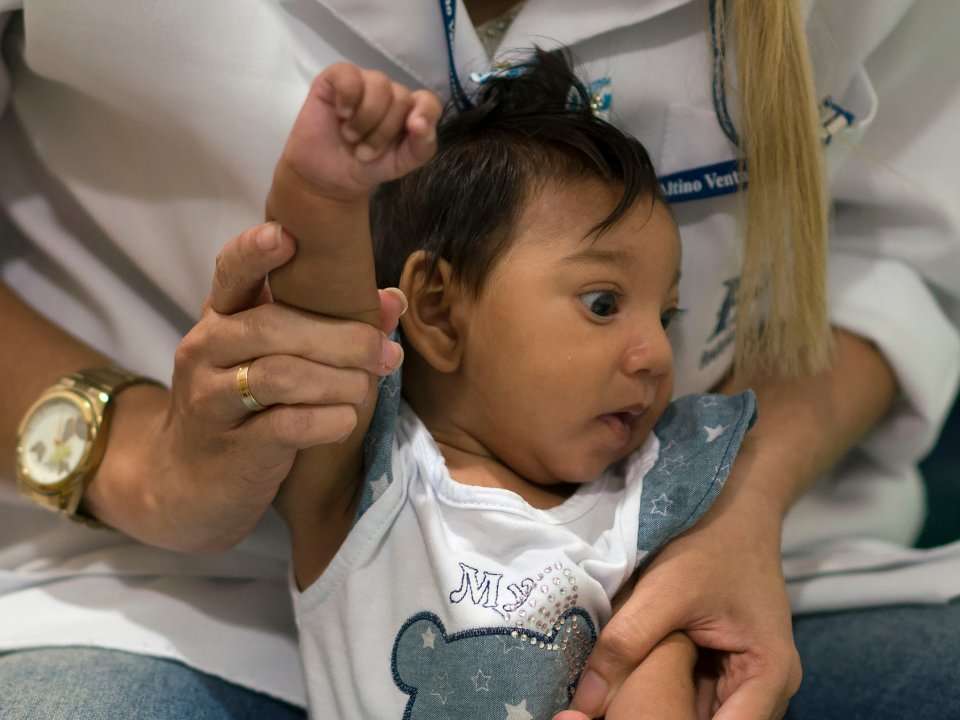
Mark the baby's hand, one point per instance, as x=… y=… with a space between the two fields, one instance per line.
x=358 y=129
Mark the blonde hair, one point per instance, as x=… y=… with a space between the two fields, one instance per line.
x=782 y=325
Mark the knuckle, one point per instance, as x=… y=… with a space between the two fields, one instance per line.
x=273 y=377
x=338 y=69
x=378 y=80
x=190 y=347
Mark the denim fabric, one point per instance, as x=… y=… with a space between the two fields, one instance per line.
x=489 y=672
x=78 y=683
x=888 y=663
x=699 y=438
x=378 y=443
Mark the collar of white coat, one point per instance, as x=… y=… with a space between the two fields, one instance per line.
x=410 y=32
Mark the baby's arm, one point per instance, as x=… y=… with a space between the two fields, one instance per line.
x=662 y=687
x=356 y=129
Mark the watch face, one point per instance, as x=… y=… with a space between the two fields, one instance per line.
x=54 y=441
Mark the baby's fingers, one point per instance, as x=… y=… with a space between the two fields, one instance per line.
x=341 y=85
x=372 y=108
x=422 y=126
x=390 y=129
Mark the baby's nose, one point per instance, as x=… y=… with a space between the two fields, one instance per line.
x=651 y=356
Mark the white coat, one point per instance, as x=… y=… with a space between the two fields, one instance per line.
x=136 y=138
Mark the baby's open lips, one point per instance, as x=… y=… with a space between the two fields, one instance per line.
x=630 y=413
x=622 y=421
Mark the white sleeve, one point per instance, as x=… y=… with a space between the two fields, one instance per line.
x=895 y=246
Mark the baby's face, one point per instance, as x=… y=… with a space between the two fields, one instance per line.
x=567 y=353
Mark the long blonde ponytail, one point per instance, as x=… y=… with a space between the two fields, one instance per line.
x=782 y=325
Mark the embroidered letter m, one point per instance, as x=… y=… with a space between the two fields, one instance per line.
x=480 y=588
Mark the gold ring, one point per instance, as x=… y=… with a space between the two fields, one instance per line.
x=243 y=387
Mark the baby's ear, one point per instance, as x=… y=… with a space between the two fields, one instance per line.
x=435 y=320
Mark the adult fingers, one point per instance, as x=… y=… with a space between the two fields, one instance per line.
x=227 y=341
x=283 y=380
x=243 y=264
x=389 y=128
x=769 y=681
x=298 y=427
x=758 y=698
x=623 y=644
x=393 y=304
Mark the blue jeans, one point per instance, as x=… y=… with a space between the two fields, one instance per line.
x=95 y=684
x=892 y=663
x=889 y=663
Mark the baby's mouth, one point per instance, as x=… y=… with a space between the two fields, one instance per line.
x=622 y=422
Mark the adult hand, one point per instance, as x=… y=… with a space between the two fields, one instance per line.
x=721 y=583
x=193 y=469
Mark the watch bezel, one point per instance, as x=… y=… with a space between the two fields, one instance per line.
x=87 y=460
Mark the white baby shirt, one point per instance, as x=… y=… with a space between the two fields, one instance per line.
x=455 y=601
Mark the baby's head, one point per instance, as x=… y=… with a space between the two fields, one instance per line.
x=541 y=267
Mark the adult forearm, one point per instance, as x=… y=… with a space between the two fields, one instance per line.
x=806 y=425
x=36 y=352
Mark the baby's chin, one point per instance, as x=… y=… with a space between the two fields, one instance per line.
x=586 y=470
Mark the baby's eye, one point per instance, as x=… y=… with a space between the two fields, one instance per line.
x=602 y=303
x=670 y=315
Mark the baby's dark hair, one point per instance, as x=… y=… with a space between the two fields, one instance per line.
x=523 y=131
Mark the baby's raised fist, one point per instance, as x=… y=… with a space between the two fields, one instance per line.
x=357 y=129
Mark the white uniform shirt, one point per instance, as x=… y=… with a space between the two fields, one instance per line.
x=137 y=138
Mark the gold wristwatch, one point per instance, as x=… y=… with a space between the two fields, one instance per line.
x=62 y=437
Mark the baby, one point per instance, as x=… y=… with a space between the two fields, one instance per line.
x=458 y=552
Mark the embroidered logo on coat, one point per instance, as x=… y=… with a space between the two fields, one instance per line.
x=724 y=331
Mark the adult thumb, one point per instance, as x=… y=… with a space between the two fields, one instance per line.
x=633 y=631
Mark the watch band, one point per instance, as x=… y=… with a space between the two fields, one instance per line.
x=109 y=381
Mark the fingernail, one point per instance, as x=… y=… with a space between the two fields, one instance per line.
x=344 y=112
x=398 y=293
x=269 y=239
x=591 y=694
x=350 y=135
x=365 y=153
x=391 y=355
